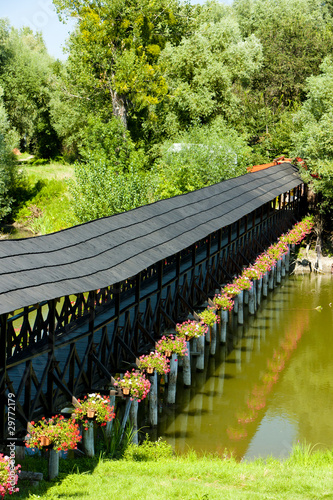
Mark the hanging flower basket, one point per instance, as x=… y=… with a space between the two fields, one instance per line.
x=209 y=317
x=223 y=302
x=172 y=345
x=135 y=383
x=54 y=432
x=154 y=361
x=45 y=441
x=191 y=329
x=94 y=406
x=126 y=391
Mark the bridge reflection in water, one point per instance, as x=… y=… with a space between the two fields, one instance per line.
x=270 y=386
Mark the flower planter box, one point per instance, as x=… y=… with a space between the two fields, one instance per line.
x=45 y=441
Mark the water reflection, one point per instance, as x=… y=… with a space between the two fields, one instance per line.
x=269 y=386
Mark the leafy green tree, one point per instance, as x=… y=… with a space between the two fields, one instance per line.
x=313 y=140
x=203 y=70
x=25 y=78
x=113 y=63
x=295 y=36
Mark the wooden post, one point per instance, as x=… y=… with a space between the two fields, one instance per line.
x=200 y=364
x=153 y=400
x=265 y=284
x=171 y=397
x=271 y=278
x=108 y=428
x=53 y=464
x=133 y=417
x=283 y=266
x=88 y=439
x=259 y=291
x=278 y=271
x=240 y=308
x=246 y=297
x=213 y=330
x=224 y=321
x=254 y=286
x=208 y=336
x=187 y=367
x=288 y=260
x=235 y=309
x=251 y=300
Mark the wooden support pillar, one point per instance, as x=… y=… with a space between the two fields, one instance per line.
x=224 y=321
x=240 y=308
x=200 y=363
x=251 y=300
x=88 y=439
x=283 y=266
x=53 y=465
x=271 y=278
x=109 y=425
x=187 y=367
x=288 y=260
x=171 y=397
x=213 y=331
x=265 y=284
x=278 y=271
x=235 y=309
x=153 y=401
x=259 y=291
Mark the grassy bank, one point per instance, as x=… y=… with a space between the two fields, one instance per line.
x=304 y=475
x=45 y=206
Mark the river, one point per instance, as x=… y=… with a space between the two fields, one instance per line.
x=270 y=386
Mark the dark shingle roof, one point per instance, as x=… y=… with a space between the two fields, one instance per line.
x=112 y=249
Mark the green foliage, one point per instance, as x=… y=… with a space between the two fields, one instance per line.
x=295 y=36
x=8 y=178
x=25 y=79
x=313 y=139
x=47 y=207
x=202 y=70
x=148 y=450
x=200 y=157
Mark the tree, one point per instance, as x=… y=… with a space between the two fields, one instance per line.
x=295 y=36
x=8 y=168
x=202 y=71
x=113 y=55
x=25 y=78
x=314 y=139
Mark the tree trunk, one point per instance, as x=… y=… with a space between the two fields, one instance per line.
x=119 y=107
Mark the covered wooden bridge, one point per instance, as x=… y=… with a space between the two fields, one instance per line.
x=82 y=304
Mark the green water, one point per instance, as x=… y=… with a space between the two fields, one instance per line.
x=270 y=387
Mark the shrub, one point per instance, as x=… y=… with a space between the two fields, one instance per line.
x=148 y=450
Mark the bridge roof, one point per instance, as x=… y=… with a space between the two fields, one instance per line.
x=108 y=250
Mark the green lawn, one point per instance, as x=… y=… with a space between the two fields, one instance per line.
x=49 y=171
x=302 y=476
